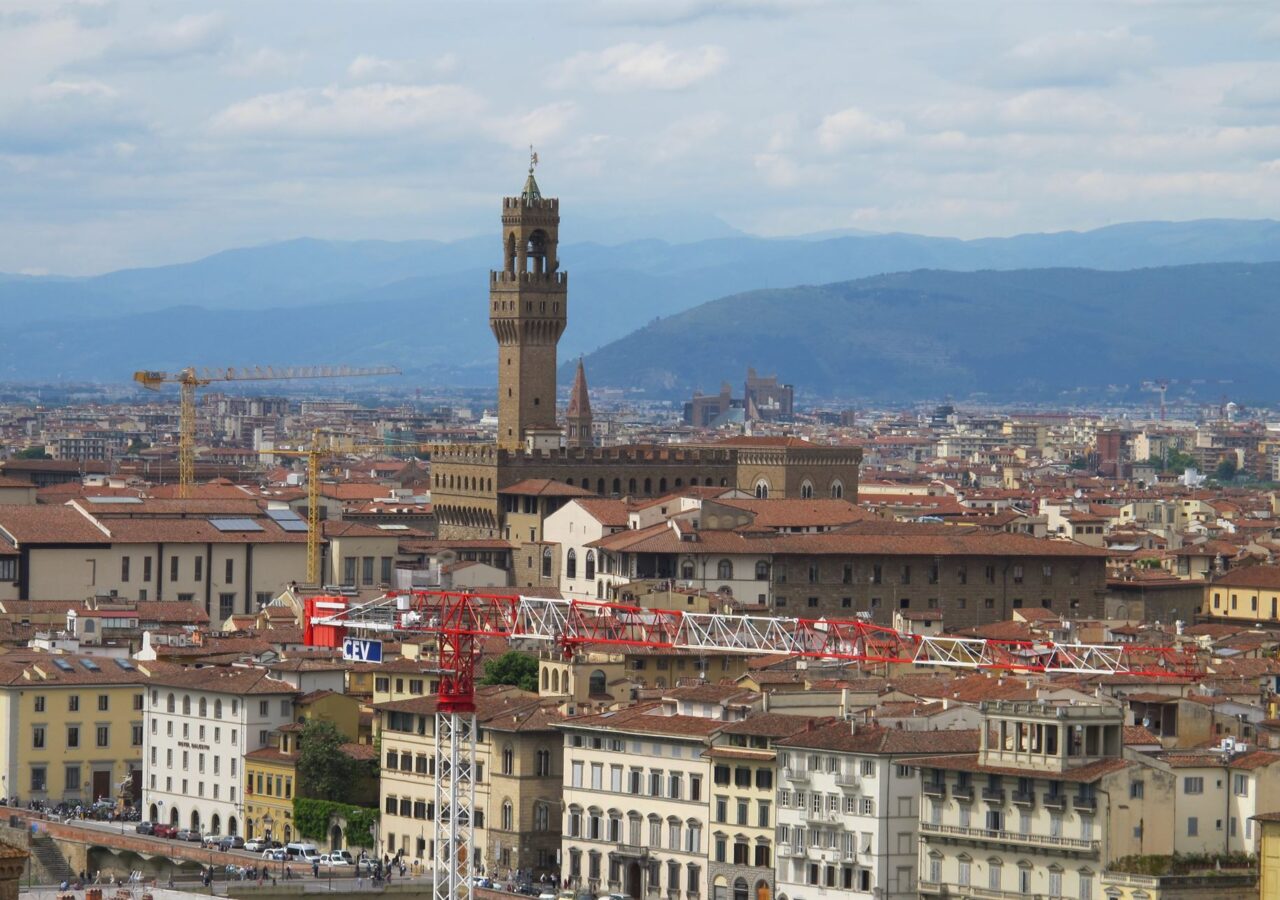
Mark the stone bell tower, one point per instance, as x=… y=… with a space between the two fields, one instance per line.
x=528 y=311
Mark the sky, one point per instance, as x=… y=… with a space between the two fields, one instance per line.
x=144 y=133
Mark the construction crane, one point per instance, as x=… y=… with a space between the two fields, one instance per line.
x=191 y=378
x=314 y=455
x=460 y=622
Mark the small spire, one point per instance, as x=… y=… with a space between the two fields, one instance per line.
x=531 y=191
x=579 y=400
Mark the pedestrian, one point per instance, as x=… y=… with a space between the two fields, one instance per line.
x=315 y=868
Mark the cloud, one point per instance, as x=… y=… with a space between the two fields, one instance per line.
x=854 y=129
x=373 y=68
x=1074 y=58
x=262 y=61
x=662 y=13
x=198 y=34
x=1256 y=93
x=641 y=66
x=355 y=112
x=64 y=115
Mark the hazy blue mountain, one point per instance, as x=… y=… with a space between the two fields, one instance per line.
x=421 y=304
x=1024 y=334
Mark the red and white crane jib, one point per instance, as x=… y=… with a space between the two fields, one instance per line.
x=460 y=618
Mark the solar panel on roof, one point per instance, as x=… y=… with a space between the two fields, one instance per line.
x=90 y=665
x=235 y=524
x=63 y=665
x=287 y=519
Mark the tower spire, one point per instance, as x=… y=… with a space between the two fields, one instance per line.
x=577 y=416
x=531 y=191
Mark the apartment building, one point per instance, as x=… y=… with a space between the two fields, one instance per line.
x=1042 y=807
x=406 y=729
x=744 y=818
x=1246 y=594
x=848 y=806
x=1218 y=793
x=636 y=789
x=200 y=724
x=74 y=727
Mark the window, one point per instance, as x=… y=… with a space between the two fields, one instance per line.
x=546 y=562
x=366 y=570
x=104 y=736
x=724 y=570
x=73 y=703
x=762 y=571
x=1086 y=886
x=1193 y=785
x=1136 y=790
x=124 y=568
x=39 y=780
x=73 y=736
x=1193 y=826
x=995 y=874
x=199 y=568
x=230 y=571
x=1240 y=785
x=571 y=564
x=226 y=604
x=589 y=567
x=146 y=568
x=37 y=737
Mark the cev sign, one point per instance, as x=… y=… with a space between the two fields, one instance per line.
x=361 y=650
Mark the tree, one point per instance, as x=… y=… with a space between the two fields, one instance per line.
x=1178 y=462
x=324 y=771
x=1226 y=470
x=512 y=667
x=32 y=453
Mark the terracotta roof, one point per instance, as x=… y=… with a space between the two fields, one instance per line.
x=545 y=487
x=270 y=754
x=1138 y=734
x=765 y=441
x=48 y=525
x=229 y=679
x=358 y=751
x=610 y=513
x=579 y=400
x=765 y=724
x=798 y=513
x=646 y=718
x=1264 y=577
x=846 y=737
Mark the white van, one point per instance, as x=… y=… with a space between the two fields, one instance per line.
x=303 y=851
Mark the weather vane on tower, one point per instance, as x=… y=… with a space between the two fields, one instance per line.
x=533 y=159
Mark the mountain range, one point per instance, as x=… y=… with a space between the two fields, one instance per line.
x=1028 y=334
x=421 y=304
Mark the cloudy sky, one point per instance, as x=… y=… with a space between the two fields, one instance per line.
x=139 y=133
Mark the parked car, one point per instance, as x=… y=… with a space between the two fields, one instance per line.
x=277 y=854
x=231 y=842
x=163 y=831
x=145 y=828
x=210 y=840
x=188 y=834
x=346 y=854
x=333 y=859
x=257 y=845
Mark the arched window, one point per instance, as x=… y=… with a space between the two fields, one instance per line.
x=648 y=486
x=217 y=708
x=679 y=483
x=600 y=486
x=617 y=486
x=546 y=679
x=687 y=570
x=589 y=569
x=546 y=562
x=631 y=485
x=204 y=714
x=662 y=485
x=837 y=489
x=507 y=816
x=169 y=705
x=596 y=683
x=762 y=571
x=740 y=889
x=186 y=704
x=571 y=564
x=555 y=682
x=724 y=570
x=508 y=761
x=762 y=490
x=806 y=490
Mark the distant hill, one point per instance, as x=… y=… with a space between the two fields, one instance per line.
x=421 y=304
x=1026 y=334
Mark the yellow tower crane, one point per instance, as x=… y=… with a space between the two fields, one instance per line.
x=314 y=455
x=191 y=378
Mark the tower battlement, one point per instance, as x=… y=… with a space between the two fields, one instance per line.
x=544 y=204
x=533 y=279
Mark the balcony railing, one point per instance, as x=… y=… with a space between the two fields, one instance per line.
x=963 y=792
x=847 y=780
x=790 y=774
x=790 y=850
x=1024 y=798
x=1086 y=804
x=968 y=890
x=993 y=795
x=1055 y=801
x=992 y=836
x=935 y=789
x=633 y=851
x=823 y=815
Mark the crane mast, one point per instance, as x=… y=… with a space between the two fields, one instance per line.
x=191 y=378
x=460 y=620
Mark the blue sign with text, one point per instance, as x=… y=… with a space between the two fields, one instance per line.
x=361 y=650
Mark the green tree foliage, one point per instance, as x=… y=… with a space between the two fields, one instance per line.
x=324 y=771
x=1226 y=470
x=512 y=667
x=1178 y=462
x=32 y=453
x=314 y=818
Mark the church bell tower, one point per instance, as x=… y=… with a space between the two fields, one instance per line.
x=528 y=311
